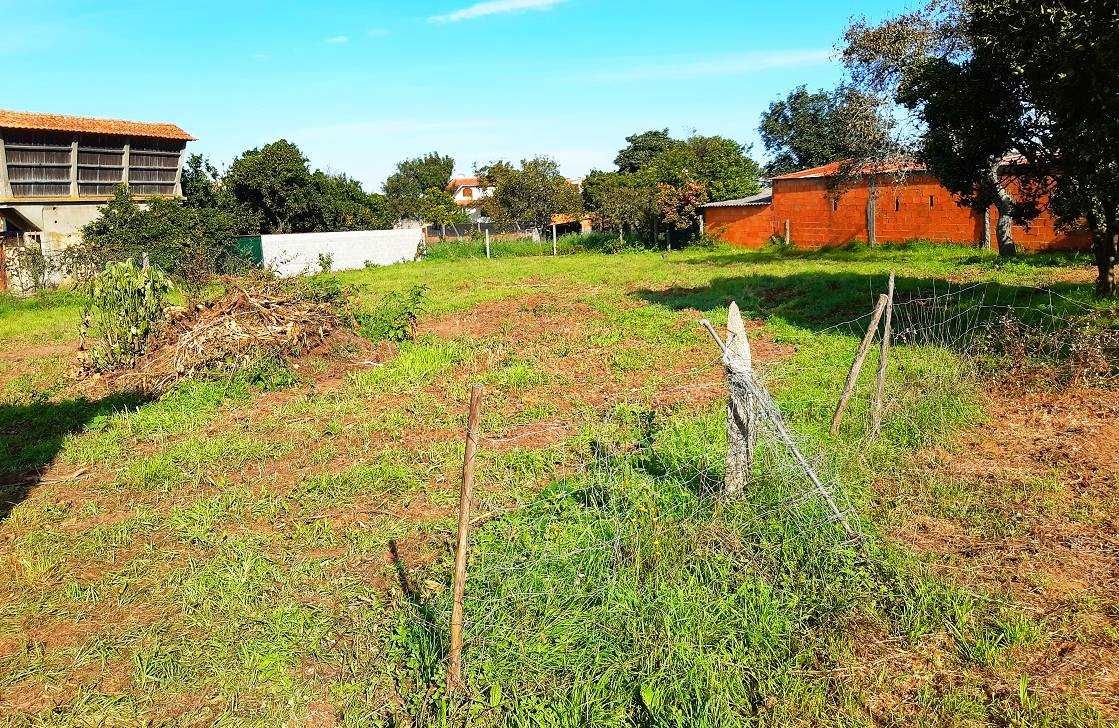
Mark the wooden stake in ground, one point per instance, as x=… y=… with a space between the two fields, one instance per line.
x=768 y=409
x=555 y=240
x=741 y=410
x=857 y=365
x=883 y=360
x=487 y=243
x=454 y=666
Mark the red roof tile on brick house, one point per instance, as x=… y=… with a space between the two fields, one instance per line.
x=832 y=169
x=83 y=124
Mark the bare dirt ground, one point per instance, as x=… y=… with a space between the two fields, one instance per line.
x=1045 y=473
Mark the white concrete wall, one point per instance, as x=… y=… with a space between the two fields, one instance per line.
x=292 y=255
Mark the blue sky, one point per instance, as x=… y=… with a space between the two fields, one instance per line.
x=360 y=85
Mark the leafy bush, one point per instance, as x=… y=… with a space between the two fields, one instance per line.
x=394 y=318
x=190 y=243
x=126 y=302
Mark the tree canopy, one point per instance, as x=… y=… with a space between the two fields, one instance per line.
x=641 y=149
x=808 y=129
x=1017 y=104
x=529 y=195
x=661 y=183
x=276 y=183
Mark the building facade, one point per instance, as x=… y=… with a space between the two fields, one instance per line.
x=56 y=172
x=468 y=190
x=914 y=206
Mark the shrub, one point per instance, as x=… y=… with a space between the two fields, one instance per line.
x=394 y=318
x=126 y=302
x=191 y=244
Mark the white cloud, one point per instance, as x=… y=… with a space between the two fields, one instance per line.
x=494 y=7
x=338 y=39
x=740 y=64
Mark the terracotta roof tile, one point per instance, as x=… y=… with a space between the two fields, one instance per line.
x=59 y=122
x=834 y=168
x=458 y=182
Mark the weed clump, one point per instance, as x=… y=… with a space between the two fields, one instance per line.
x=394 y=317
x=126 y=304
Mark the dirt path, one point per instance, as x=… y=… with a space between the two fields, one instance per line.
x=1043 y=528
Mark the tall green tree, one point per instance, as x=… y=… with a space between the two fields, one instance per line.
x=1018 y=103
x=721 y=165
x=417 y=190
x=808 y=129
x=641 y=149
x=1062 y=58
x=275 y=182
x=620 y=201
x=530 y=195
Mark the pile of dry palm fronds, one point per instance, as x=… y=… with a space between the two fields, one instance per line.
x=254 y=320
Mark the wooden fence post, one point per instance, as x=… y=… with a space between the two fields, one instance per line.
x=742 y=425
x=857 y=365
x=883 y=360
x=788 y=233
x=487 y=243
x=555 y=236
x=454 y=667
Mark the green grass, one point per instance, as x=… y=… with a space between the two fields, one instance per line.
x=247 y=552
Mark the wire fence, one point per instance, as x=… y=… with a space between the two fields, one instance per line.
x=558 y=575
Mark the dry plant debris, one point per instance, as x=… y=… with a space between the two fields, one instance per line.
x=256 y=320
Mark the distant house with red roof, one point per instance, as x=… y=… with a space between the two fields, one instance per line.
x=906 y=204
x=468 y=190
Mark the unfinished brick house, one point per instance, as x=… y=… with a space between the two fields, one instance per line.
x=917 y=207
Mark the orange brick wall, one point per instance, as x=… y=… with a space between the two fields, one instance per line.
x=749 y=226
x=918 y=208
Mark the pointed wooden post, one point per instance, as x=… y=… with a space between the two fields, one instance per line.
x=742 y=424
x=487 y=243
x=883 y=361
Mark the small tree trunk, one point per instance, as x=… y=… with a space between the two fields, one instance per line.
x=985 y=243
x=1005 y=204
x=1105 y=244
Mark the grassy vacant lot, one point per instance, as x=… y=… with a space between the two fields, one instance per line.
x=258 y=552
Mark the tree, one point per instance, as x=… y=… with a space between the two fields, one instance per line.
x=642 y=149
x=806 y=129
x=721 y=165
x=1062 y=56
x=418 y=188
x=681 y=206
x=960 y=112
x=189 y=243
x=531 y=195
x=618 y=200
x=337 y=202
x=276 y=184
x=274 y=181
x=1018 y=103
